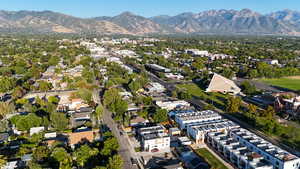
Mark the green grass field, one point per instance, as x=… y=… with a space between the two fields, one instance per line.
x=210 y=159
x=286 y=82
x=193 y=89
x=197 y=91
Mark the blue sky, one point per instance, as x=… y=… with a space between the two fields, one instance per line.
x=91 y=8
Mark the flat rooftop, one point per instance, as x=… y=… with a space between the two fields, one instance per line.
x=213 y=125
x=264 y=145
x=151 y=136
x=207 y=114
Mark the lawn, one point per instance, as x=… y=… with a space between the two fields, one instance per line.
x=195 y=90
x=292 y=83
x=192 y=88
x=210 y=159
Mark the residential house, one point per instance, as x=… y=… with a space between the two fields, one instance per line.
x=81 y=135
x=154 y=138
x=170 y=105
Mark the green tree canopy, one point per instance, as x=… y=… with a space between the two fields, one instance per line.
x=59 y=121
x=233 y=104
x=83 y=154
x=115 y=162
x=161 y=115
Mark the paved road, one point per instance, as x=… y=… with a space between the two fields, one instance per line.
x=125 y=150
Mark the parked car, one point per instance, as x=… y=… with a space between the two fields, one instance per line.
x=134 y=161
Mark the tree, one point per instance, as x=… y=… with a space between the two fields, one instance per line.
x=228 y=73
x=114 y=102
x=59 y=121
x=161 y=115
x=85 y=95
x=252 y=110
x=83 y=154
x=34 y=165
x=134 y=85
x=41 y=153
x=269 y=113
x=2 y=161
x=22 y=101
x=120 y=107
x=147 y=100
x=198 y=64
x=115 y=162
x=99 y=112
x=143 y=114
x=252 y=73
x=110 y=96
x=6 y=108
x=233 y=104
x=248 y=88
x=7 y=84
x=24 y=123
x=209 y=107
x=44 y=86
x=62 y=157
x=18 y=92
x=184 y=95
x=110 y=145
x=53 y=99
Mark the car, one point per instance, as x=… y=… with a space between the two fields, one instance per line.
x=154 y=150
x=134 y=161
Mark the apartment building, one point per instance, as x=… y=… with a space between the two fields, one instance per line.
x=185 y=119
x=198 y=131
x=279 y=158
x=235 y=152
x=154 y=138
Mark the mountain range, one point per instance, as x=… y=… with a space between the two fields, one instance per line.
x=245 y=21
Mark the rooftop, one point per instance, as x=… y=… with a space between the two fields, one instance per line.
x=197 y=115
x=264 y=145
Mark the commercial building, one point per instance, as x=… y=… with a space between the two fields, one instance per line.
x=185 y=119
x=154 y=138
